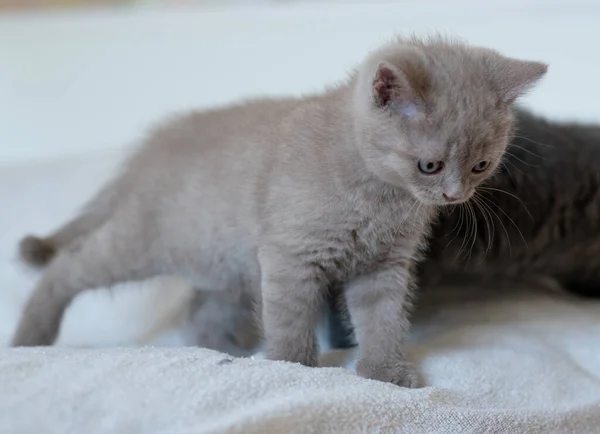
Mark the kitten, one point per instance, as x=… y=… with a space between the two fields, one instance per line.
x=537 y=220
x=281 y=199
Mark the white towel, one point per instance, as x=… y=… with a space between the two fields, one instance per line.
x=518 y=364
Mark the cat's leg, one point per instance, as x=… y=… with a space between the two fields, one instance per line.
x=105 y=257
x=378 y=303
x=225 y=321
x=291 y=306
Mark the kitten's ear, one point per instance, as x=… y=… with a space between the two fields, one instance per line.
x=396 y=89
x=513 y=78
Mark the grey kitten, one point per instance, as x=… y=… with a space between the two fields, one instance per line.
x=537 y=220
x=282 y=199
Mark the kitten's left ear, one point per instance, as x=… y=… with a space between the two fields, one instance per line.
x=400 y=89
x=513 y=78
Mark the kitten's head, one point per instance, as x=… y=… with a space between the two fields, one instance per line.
x=435 y=117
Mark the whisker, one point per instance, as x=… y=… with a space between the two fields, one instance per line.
x=513 y=222
x=517 y=158
x=525 y=150
x=491 y=213
x=467 y=232
x=495 y=214
x=399 y=228
x=489 y=230
x=474 y=216
x=505 y=161
x=503 y=164
x=458 y=222
x=531 y=140
x=511 y=195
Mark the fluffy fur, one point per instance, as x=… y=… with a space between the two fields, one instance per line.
x=283 y=199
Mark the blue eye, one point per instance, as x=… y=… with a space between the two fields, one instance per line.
x=481 y=166
x=430 y=167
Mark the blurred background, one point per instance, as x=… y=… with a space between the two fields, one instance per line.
x=82 y=80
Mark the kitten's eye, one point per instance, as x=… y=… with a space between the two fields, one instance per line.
x=481 y=166
x=431 y=167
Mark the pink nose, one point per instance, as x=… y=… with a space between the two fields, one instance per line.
x=450 y=198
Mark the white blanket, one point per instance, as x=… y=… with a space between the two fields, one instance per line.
x=531 y=364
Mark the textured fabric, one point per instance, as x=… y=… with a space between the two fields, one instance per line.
x=515 y=364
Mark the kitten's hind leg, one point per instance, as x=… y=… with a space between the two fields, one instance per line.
x=224 y=321
x=105 y=257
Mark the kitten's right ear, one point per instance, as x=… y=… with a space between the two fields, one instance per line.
x=392 y=88
x=515 y=77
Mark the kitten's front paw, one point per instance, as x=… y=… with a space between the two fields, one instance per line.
x=401 y=373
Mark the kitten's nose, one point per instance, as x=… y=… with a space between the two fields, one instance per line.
x=451 y=198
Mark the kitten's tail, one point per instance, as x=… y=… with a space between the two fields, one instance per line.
x=39 y=251
x=36 y=251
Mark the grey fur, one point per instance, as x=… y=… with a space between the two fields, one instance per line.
x=282 y=199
